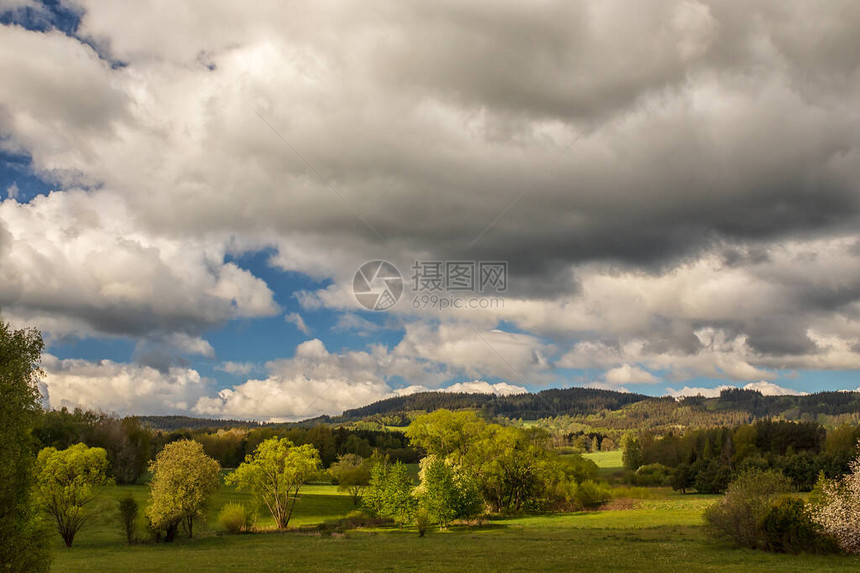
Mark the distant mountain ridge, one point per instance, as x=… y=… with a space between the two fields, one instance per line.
x=546 y=403
x=175 y=423
x=621 y=409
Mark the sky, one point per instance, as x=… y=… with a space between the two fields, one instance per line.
x=196 y=198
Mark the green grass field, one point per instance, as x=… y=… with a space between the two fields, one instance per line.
x=610 y=464
x=665 y=533
x=607 y=460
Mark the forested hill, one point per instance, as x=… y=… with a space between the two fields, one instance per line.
x=609 y=409
x=596 y=408
x=171 y=423
x=545 y=404
x=792 y=407
x=174 y=423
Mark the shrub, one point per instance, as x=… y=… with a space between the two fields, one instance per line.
x=652 y=475
x=236 y=518
x=740 y=514
x=577 y=468
x=128 y=516
x=590 y=494
x=422 y=521
x=787 y=527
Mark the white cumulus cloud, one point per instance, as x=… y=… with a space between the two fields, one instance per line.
x=121 y=388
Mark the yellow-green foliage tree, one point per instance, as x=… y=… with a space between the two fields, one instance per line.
x=183 y=480
x=275 y=473
x=447 y=434
x=512 y=467
x=22 y=541
x=67 y=481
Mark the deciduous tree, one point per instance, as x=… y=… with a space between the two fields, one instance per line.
x=390 y=493
x=446 y=493
x=67 y=481
x=352 y=473
x=512 y=466
x=274 y=473
x=447 y=434
x=22 y=541
x=183 y=480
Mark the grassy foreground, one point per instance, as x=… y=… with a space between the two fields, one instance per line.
x=663 y=534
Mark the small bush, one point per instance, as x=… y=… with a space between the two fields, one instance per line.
x=652 y=475
x=422 y=521
x=128 y=510
x=787 y=527
x=739 y=515
x=590 y=494
x=236 y=518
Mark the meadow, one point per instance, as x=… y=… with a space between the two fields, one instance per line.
x=664 y=532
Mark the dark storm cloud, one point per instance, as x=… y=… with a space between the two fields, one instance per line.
x=706 y=138
x=703 y=123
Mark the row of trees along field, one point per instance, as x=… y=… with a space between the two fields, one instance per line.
x=130 y=445
x=67 y=483
x=472 y=467
x=708 y=459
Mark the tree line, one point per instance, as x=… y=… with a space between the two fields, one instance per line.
x=706 y=459
x=131 y=445
x=472 y=468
